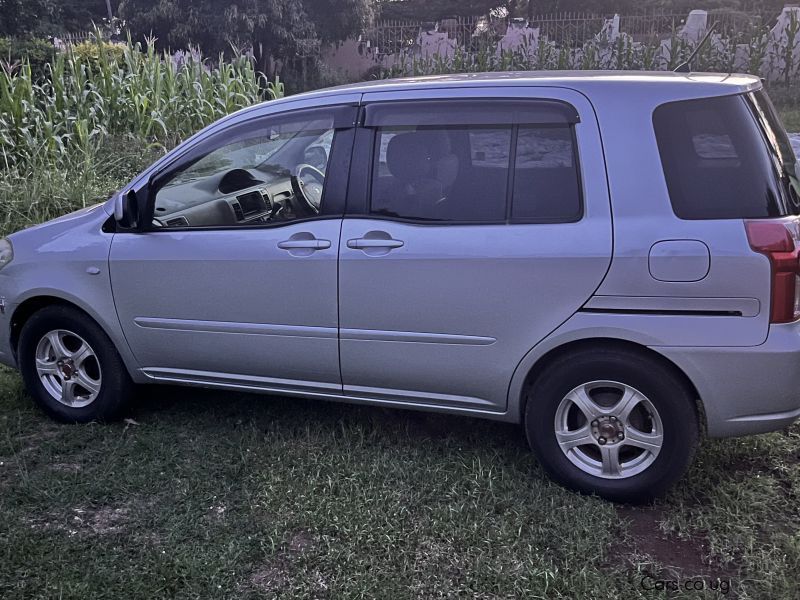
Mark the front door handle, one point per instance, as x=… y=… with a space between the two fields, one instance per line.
x=361 y=243
x=303 y=244
x=309 y=244
x=375 y=243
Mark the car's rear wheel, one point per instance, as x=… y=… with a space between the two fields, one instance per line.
x=613 y=422
x=71 y=367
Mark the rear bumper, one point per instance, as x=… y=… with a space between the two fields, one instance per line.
x=746 y=390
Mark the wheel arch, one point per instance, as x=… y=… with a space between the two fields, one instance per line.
x=526 y=376
x=26 y=309
x=37 y=301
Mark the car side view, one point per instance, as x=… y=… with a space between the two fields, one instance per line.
x=608 y=258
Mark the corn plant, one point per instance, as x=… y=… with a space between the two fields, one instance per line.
x=137 y=92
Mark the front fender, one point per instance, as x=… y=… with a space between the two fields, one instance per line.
x=66 y=260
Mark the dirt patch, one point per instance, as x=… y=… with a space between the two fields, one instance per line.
x=274 y=576
x=300 y=542
x=680 y=556
x=269 y=579
x=104 y=520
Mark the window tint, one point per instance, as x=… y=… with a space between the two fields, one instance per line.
x=716 y=161
x=265 y=172
x=461 y=173
x=434 y=174
x=546 y=183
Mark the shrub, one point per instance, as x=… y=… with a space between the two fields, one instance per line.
x=36 y=52
x=92 y=52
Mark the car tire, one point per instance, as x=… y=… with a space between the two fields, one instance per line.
x=61 y=349
x=612 y=422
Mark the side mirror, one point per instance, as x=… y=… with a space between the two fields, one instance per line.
x=316 y=157
x=126 y=210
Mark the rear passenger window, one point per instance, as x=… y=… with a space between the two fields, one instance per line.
x=716 y=161
x=463 y=173
x=546 y=182
x=434 y=174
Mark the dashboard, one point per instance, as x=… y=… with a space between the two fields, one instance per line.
x=236 y=197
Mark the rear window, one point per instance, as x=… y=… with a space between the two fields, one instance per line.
x=719 y=161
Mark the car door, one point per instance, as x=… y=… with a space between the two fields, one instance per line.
x=478 y=221
x=233 y=279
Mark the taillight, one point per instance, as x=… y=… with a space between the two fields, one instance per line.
x=778 y=243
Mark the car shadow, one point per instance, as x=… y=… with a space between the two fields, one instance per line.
x=199 y=406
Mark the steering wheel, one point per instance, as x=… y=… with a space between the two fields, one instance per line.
x=308 y=192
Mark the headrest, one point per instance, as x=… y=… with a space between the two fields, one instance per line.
x=408 y=156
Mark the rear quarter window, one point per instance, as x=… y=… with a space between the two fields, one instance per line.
x=717 y=162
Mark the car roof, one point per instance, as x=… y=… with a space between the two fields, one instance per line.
x=703 y=84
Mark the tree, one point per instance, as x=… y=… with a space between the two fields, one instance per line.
x=27 y=17
x=281 y=27
x=337 y=20
x=75 y=15
x=49 y=17
x=273 y=29
x=433 y=10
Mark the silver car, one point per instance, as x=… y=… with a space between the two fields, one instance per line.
x=608 y=259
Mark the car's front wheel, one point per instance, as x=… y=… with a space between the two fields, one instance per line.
x=71 y=367
x=612 y=422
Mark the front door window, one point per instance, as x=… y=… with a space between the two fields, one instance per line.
x=268 y=172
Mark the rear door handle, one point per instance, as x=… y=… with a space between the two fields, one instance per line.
x=363 y=243
x=304 y=244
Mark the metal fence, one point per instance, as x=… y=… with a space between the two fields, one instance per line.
x=75 y=38
x=565 y=29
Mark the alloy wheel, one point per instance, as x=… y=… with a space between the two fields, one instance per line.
x=68 y=368
x=608 y=429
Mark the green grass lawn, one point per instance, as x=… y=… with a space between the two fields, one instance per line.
x=222 y=495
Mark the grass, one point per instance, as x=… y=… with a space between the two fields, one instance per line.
x=219 y=495
x=31 y=194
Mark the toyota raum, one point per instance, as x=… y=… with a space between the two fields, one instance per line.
x=608 y=259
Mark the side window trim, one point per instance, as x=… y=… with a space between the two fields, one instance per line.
x=466 y=111
x=361 y=174
x=512 y=171
x=344 y=122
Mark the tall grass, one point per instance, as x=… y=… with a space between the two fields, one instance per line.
x=156 y=98
x=98 y=117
